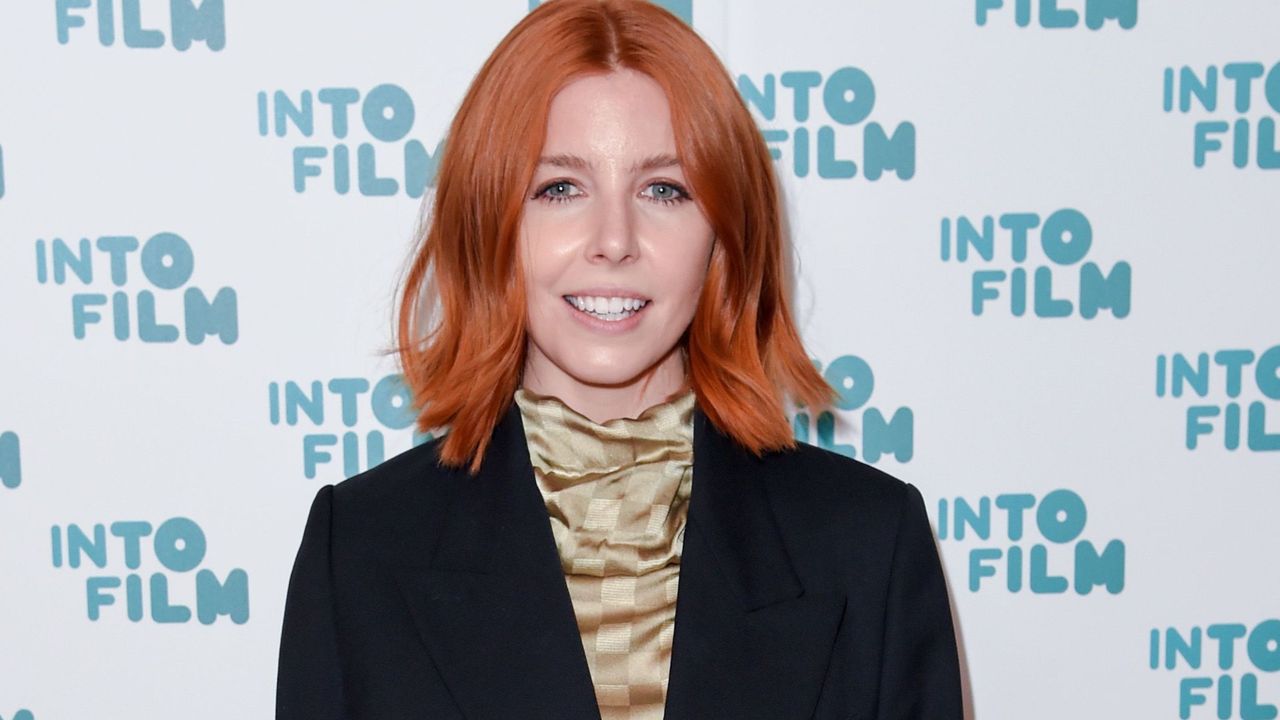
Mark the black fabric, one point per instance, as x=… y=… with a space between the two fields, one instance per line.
x=810 y=587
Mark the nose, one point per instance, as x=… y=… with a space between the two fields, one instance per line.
x=614 y=237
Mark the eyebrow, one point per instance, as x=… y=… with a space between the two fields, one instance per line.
x=575 y=162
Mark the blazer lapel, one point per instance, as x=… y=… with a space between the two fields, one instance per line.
x=749 y=641
x=492 y=607
x=494 y=611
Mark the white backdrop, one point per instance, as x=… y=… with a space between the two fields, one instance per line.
x=155 y=389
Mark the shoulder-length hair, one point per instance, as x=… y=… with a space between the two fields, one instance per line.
x=744 y=353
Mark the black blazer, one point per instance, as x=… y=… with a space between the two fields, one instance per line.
x=810 y=587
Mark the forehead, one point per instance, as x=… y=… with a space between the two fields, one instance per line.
x=610 y=117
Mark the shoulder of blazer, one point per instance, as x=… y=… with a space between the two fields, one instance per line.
x=825 y=492
x=410 y=488
x=415 y=469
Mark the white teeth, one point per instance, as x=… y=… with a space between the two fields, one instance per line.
x=607 y=308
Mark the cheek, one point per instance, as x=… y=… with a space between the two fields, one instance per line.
x=547 y=248
x=685 y=265
x=536 y=263
x=533 y=270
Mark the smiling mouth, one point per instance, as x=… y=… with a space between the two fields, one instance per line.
x=609 y=309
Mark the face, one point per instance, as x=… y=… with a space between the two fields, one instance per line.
x=615 y=248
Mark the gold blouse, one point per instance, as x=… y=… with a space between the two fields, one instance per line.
x=617 y=496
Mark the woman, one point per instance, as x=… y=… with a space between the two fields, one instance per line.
x=605 y=334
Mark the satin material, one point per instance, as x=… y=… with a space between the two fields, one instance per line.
x=617 y=496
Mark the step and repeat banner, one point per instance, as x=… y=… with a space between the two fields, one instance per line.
x=1036 y=248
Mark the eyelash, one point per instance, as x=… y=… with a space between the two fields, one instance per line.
x=542 y=193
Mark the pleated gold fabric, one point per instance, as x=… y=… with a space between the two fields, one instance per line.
x=617 y=495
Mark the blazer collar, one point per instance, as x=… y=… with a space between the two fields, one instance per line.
x=493 y=607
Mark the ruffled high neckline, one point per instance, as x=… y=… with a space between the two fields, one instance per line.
x=574 y=448
x=616 y=492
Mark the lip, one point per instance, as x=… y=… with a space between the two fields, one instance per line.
x=607 y=327
x=602 y=291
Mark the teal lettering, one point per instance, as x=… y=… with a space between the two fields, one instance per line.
x=230 y=598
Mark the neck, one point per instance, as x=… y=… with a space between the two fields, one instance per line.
x=602 y=403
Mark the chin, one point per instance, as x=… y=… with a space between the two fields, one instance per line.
x=613 y=374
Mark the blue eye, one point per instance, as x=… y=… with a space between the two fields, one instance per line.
x=668 y=193
x=551 y=191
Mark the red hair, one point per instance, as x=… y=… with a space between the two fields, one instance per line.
x=743 y=350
